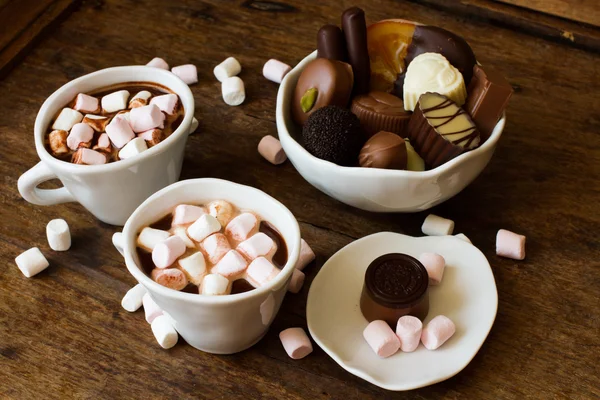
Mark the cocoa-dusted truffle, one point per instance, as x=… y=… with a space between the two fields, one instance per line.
x=334 y=134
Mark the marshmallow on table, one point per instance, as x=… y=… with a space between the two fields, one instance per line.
x=185 y=214
x=181 y=232
x=233 y=91
x=194 y=267
x=296 y=343
x=437 y=331
x=81 y=135
x=215 y=285
x=275 y=70
x=231 y=264
x=150 y=237
x=58 y=141
x=381 y=338
x=86 y=103
x=167 y=103
x=166 y=252
x=151 y=309
x=119 y=131
x=97 y=122
x=163 y=331
x=132 y=300
x=242 y=226
x=66 y=119
x=409 y=330
x=31 y=262
x=259 y=245
x=434 y=264
x=103 y=143
x=510 y=244
x=172 y=278
x=204 y=226
x=187 y=73
x=152 y=136
x=146 y=117
x=115 y=101
x=158 y=62
x=228 y=68
x=437 y=226
x=193 y=126
x=296 y=281
x=88 y=157
x=133 y=148
x=261 y=271
x=59 y=236
x=216 y=246
x=270 y=148
x=222 y=211
x=306 y=255
x=464 y=237
x=140 y=99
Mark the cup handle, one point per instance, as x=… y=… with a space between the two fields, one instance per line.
x=28 y=189
x=117 y=241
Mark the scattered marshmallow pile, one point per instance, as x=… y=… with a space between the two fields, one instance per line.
x=31 y=262
x=232 y=87
x=187 y=73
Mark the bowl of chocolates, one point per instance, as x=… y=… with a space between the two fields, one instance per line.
x=396 y=116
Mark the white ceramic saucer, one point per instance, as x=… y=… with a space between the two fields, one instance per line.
x=467 y=295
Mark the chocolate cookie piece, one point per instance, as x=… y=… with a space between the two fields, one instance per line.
x=380 y=111
x=354 y=27
x=331 y=43
x=384 y=150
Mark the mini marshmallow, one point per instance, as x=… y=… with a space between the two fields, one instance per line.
x=166 y=252
x=181 y=232
x=163 y=331
x=222 y=211
x=171 y=277
x=185 y=214
x=204 y=226
x=437 y=331
x=152 y=136
x=259 y=245
x=146 y=117
x=125 y=115
x=86 y=103
x=97 y=122
x=158 y=62
x=214 y=285
x=193 y=126
x=187 y=73
x=59 y=236
x=58 y=141
x=132 y=300
x=194 y=267
x=119 y=131
x=233 y=91
x=167 y=103
x=462 y=236
x=296 y=343
x=115 y=101
x=297 y=281
x=409 y=330
x=381 y=338
x=151 y=309
x=270 y=148
x=510 y=244
x=434 y=264
x=242 y=226
x=81 y=135
x=31 y=262
x=88 y=157
x=140 y=99
x=66 y=119
x=437 y=226
x=231 y=264
x=133 y=148
x=150 y=237
x=216 y=246
x=228 y=68
x=275 y=70
x=306 y=255
x=261 y=271
x=103 y=143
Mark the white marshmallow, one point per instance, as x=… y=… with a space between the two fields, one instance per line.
x=306 y=255
x=163 y=331
x=462 y=236
x=275 y=70
x=80 y=134
x=151 y=309
x=185 y=214
x=158 y=62
x=181 y=232
x=216 y=246
x=166 y=252
x=31 y=262
x=133 y=148
x=86 y=103
x=204 y=226
x=409 y=330
x=119 y=131
x=259 y=245
x=233 y=91
x=215 y=284
x=231 y=265
x=132 y=300
x=140 y=99
x=193 y=126
x=167 y=103
x=437 y=226
x=150 y=237
x=146 y=117
x=194 y=267
x=222 y=211
x=115 y=101
x=261 y=271
x=59 y=236
x=242 y=226
x=228 y=68
x=66 y=119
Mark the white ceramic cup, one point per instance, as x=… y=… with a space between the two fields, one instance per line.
x=215 y=324
x=111 y=191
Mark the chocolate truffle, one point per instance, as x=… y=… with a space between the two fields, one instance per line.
x=334 y=134
x=380 y=111
x=395 y=285
x=384 y=150
x=322 y=83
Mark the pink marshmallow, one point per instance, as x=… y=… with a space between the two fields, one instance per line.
x=80 y=133
x=231 y=264
x=172 y=278
x=166 y=252
x=216 y=246
x=86 y=103
x=381 y=338
x=306 y=255
x=103 y=142
x=145 y=118
x=261 y=271
x=119 y=131
x=88 y=157
x=187 y=73
x=296 y=281
x=510 y=244
x=275 y=70
x=409 y=330
x=434 y=264
x=437 y=331
x=166 y=102
x=259 y=245
x=151 y=309
x=242 y=226
x=186 y=214
x=158 y=62
x=296 y=343
x=270 y=148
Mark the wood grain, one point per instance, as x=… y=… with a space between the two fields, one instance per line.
x=63 y=333
x=577 y=10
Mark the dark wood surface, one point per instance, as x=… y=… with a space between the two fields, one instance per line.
x=63 y=333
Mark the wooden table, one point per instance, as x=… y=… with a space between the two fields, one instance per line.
x=63 y=333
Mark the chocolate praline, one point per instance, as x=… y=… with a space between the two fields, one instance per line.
x=395 y=285
x=380 y=111
x=384 y=150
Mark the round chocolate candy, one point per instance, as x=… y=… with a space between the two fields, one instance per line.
x=380 y=111
x=384 y=150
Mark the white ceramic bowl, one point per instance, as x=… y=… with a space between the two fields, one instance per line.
x=374 y=189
